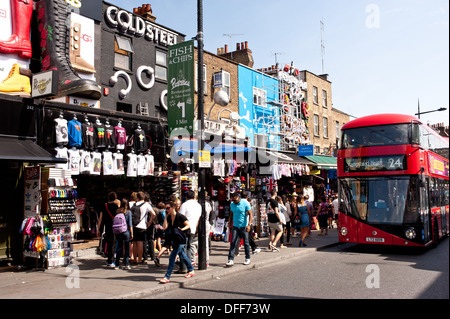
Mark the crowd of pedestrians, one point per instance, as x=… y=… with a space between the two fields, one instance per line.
x=135 y=230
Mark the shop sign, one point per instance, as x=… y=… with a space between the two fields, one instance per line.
x=44 y=84
x=305 y=150
x=127 y=22
x=204 y=158
x=180 y=94
x=32 y=191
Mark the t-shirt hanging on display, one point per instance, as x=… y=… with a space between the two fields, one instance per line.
x=61 y=152
x=100 y=140
x=141 y=164
x=132 y=165
x=139 y=141
x=74 y=161
x=110 y=139
x=108 y=163
x=85 y=162
x=88 y=136
x=121 y=137
x=150 y=164
x=75 y=135
x=118 y=166
x=96 y=163
x=61 y=130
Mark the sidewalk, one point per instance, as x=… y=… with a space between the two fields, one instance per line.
x=90 y=279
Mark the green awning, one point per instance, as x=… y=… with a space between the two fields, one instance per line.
x=323 y=162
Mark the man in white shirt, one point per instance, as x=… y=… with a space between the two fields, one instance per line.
x=139 y=230
x=193 y=211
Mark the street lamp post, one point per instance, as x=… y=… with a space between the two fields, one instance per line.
x=419 y=113
x=201 y=118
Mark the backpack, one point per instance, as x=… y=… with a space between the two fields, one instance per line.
x=119 y=224
x=136 y=214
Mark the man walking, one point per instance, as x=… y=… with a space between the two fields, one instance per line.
x=239 y=210
x=193 y=211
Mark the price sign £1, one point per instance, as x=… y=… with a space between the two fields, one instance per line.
x=180 y=94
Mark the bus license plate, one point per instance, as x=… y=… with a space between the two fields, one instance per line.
x=374 y=240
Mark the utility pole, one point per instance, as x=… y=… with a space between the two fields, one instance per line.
x=201 y=142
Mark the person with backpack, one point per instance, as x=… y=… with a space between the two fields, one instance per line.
x=142 y=217
x=123 y=229
x=179 y=229
x=105 y=220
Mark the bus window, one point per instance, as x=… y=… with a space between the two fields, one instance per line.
x=395 y=134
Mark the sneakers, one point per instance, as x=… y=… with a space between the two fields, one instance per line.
x=257 y=250
x=247 y=262
x=111 y=265
x=229 y=263
x=156 y=260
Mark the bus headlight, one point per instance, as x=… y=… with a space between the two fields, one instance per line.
x=344 y=231
x=410 y=233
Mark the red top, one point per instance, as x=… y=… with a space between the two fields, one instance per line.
x=380 y=119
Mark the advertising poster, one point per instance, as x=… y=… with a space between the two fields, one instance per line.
x=181 y=89
x=32 y=190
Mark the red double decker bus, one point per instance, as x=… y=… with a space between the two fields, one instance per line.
x=393 y=177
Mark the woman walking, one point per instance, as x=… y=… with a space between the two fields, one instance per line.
x=303 y=212
x=179 y=230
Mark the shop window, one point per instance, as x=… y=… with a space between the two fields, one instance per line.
x=123 y=51
x=161 y=65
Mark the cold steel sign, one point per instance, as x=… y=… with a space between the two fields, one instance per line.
x=129 y=23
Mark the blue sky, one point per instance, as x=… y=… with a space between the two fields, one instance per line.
x=381 y=56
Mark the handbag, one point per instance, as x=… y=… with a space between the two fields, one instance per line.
x=178 y=237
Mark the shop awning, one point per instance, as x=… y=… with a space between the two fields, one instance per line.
x=273 y=156
x=323 y=162
x=191 y=146
x=25 y=150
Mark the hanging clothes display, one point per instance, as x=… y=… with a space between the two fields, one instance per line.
x=88 y=136
x=118 y=167
x=61 y=131
x=141 y=164
x=85 y=162
x=120 y=135
x=110 y=139
x=74 y=161
x=61 y=152
x=74 y=133
x=139 y=141
x=132 y=165
x=96 y=163
x=150 y=164
x=100 y=136
x=108 y=163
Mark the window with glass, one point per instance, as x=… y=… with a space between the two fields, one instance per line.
x=316 y=125
x=325 y=127
x=395 y=134
x=259 y=97
x=161 y=65
x=381 y=200
x=123 y=51
x=324 y=98
x=315 y=95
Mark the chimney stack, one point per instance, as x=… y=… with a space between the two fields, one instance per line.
x=146 y=12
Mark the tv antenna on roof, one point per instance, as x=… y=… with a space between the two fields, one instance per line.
x=322 y=43
x=231 y=35
x=276 y=54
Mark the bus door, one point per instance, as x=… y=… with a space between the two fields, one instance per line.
x=424 y=213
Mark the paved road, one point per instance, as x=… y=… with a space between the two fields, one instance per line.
x=342 y=272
